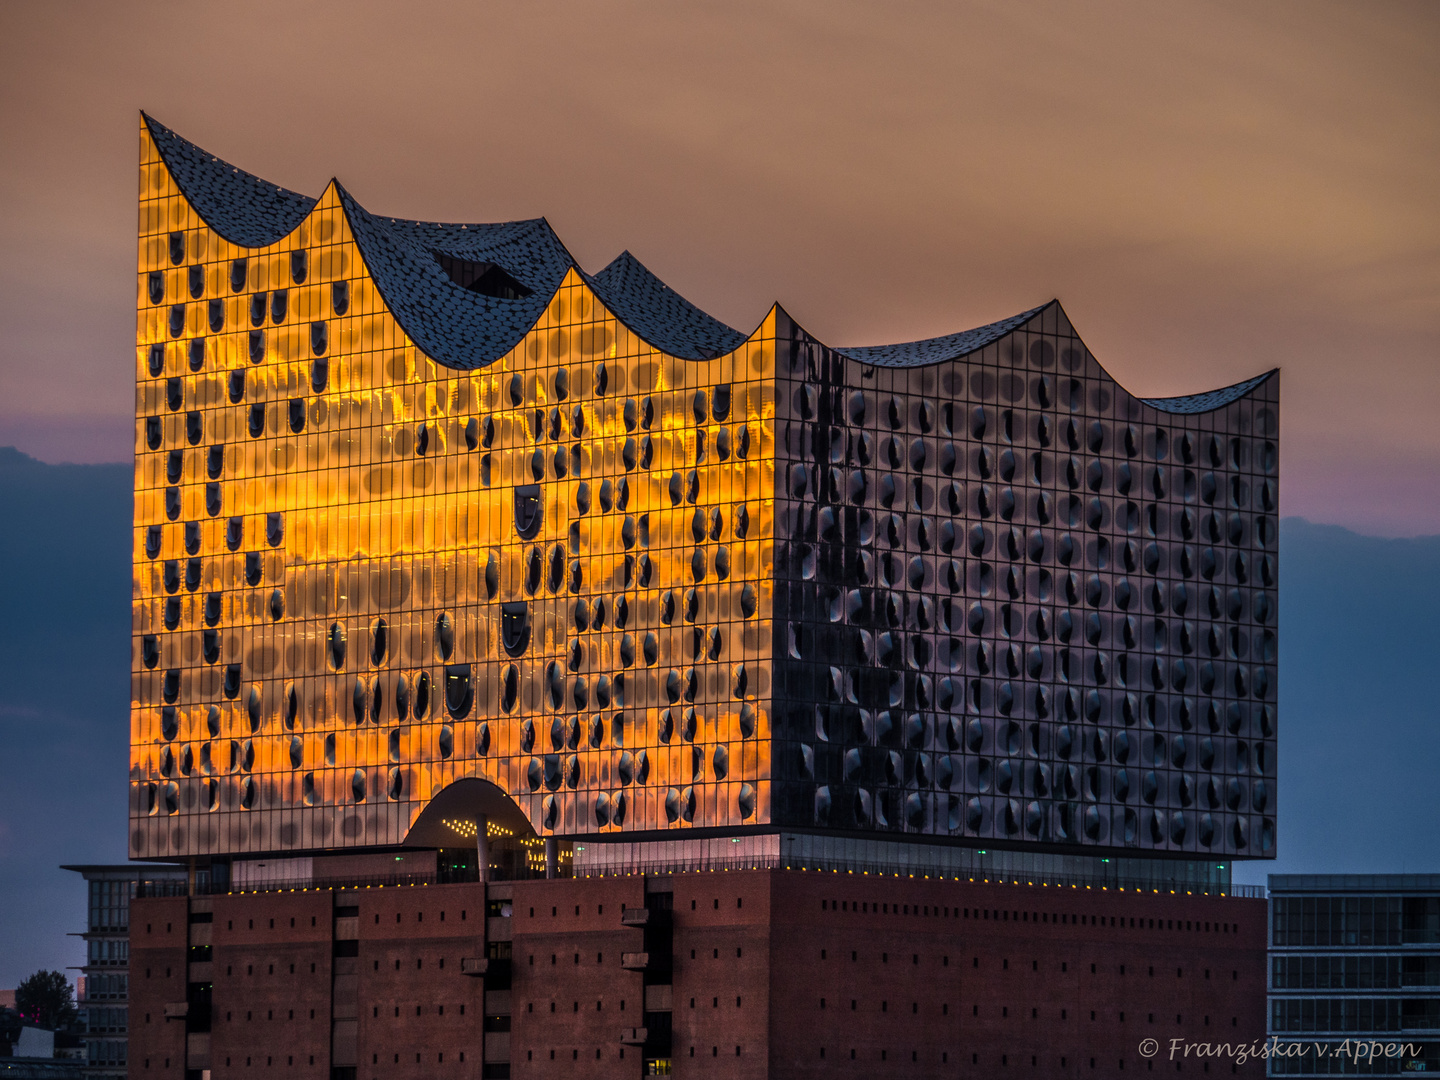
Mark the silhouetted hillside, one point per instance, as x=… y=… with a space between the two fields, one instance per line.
x=64 y=697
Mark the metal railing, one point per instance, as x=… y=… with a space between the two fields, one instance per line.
x=763 y=862
x=1116 y=883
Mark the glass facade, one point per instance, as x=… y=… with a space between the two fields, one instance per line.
x=1355 y=961
x=409 y=511
x=1015 y=602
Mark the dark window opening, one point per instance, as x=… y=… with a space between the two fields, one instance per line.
x=237 y=275
x=485 y=278
x=196 y=275
x=197 y=353
x=299 y=266
x=297 y=415
x=515 y=627
x=459 y=695
x=257 y=420
x=274 y=529
x=157 y=287
x=231 y=688
x=529 y=510
x=150 y=651
x=336 y=643
x=319 y=338
x=174 y=394
x=174 y=465
x=340 y=296
x=194 y=427
x=257 y=309
x=157 y=358
x=252 y=568
x=320 y=375
x=177 y=248
x=153 y=536
x=177 y=319
x=192 y=574
x=215 y=461
x=445 y=635
x=217 y=316
x=192 y=537
x=257 y=346
x=235 y=534
x=279 y=301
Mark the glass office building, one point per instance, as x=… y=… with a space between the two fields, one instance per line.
x=104 y=1003
x=429 y=519
x=1355 y=966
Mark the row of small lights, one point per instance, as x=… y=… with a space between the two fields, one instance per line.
x=496 y=830
x=866 y=873
x=723 y=870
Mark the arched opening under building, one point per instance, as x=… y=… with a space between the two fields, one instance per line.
x=450 y=825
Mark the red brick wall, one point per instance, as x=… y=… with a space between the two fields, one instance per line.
x=271 y=973
x=419 y=1016
x=911 y=981
x=158 y=943
x=722 y=956
x=938 y=988
x=570 y=996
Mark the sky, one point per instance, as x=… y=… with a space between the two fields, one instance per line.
x=1211 y=190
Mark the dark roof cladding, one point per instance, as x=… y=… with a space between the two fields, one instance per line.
x=464 y=327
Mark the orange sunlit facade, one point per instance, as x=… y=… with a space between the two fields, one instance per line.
x=325 y=557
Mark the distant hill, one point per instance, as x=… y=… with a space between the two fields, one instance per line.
x=64 y=697
x=1360 y=742
x=1359 y=718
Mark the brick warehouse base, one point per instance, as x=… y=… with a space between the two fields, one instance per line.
x=736 y=974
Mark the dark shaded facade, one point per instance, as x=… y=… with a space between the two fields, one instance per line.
x=1355 y=973
x=1015 y=602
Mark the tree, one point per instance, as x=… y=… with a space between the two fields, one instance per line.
x=47 y=999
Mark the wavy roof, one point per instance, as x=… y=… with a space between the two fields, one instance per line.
x=1211 y=399
x=464 y=328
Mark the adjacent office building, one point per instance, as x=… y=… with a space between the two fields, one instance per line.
x=105 y=983
x=484 y=607
x=1355 y=966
